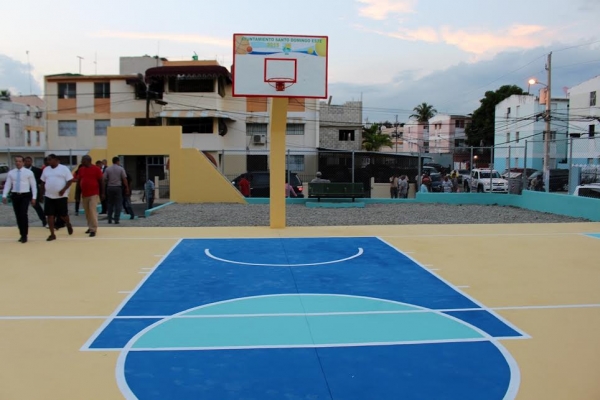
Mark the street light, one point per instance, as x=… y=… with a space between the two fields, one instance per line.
x=547 y=117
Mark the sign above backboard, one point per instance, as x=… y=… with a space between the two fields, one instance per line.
x=279 y=66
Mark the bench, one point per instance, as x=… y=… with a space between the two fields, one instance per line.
x=335 y=190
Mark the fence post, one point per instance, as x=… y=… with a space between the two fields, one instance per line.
x=417 y=183
x=353 y=166
x=570 y=163
x=491 y=168
x=287 y=165
x=524 y=177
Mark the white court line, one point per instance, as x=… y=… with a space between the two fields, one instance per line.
x=360 y=252
x=463 y=287
x=93 y=337
x=472 y=299
x=67 y=317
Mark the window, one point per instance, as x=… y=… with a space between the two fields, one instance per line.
x=190 y=84
x=517 y=137
x=66 y=160
x=592 y=98
x=37 y=138
x=6 y=130
x=28 y=138
x=193 y=125
x=142 y=122
x=346 y=135
x=256 y=129
x=294 y=129
x=100 y=126
x=591 y=130
x=67 y=128
x=102 y=90
x=67 y=91
x=459 y=123
x=295 y=163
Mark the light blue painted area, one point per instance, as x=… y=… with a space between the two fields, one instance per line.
x=149 y=212
x=231 y=329
x=562 y=204
x=298 y=304
x=594 y=235
x=467 y=198
x=304 y=330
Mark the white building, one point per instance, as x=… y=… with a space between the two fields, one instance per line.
x=520 y=124
x=416 y=137
x=22 y=122
x=584 y=122
x=195 y=95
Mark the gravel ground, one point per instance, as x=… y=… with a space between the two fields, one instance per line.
x=190 y=215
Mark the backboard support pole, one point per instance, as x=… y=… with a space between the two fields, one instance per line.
x=278 y=118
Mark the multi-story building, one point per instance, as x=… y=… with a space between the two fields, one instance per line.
x=22 y=122
x=447 y=132
x=416 y=137
x=340 y=126
x=196 y=95
x=584 y=122
x=519 y=132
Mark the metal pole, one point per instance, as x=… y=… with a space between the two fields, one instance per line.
x=396 y=133
x=352 y=166
x=524 y=177
x=548 y=125
x=470 y=169
x=491 y=167
x=570 y=163
x=287 y=165
x=417 y=183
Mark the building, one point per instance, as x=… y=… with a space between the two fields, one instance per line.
x=584 y=122
x=340 y=126
x=195 y=95
x=447 y=133
x=396 y=133
x=22 y=122
x=519 y=132
x=416 y=137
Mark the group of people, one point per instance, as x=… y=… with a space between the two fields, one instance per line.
x=399 y=186
x=26 y=184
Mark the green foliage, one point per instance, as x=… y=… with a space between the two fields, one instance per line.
x=423 y=112
x=373 y=139
x=481 y=129
x=5 y=94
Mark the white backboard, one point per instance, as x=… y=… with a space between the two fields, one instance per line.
x=298 y=63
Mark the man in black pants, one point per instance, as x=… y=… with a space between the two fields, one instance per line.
x=115 y=179
x=21 y=183
x=37 y=173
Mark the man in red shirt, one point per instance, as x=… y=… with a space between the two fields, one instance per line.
x=92 y=190
x=244 y=185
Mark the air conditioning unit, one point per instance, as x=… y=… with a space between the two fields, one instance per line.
x=259 y=139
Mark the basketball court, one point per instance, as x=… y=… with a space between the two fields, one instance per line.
x=412 y=312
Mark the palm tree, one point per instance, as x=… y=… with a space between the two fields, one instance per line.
x=423 y=112
x=373 y=139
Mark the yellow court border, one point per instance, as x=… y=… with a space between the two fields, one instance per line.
x=542 y=278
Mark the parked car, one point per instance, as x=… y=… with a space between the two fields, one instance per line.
x=559 y=179
x=260 y=184
x=517 y=172
x=438 y=167
x=3 y=174
x=464 y=176
x=482 y=178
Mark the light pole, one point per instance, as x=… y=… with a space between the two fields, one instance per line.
x=547 y=118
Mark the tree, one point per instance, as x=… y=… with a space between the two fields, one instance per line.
x=5 y=94
x=373 y=139
x=423 y=112
x=481 y=130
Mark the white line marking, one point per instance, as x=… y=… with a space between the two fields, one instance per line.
x=68 y=317
x=471 y=298
x=87 y=344
x=434 y=269
x=360 y=252
x=463 y=287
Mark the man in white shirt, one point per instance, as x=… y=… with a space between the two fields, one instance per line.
x=23 y=188
x=57 y=179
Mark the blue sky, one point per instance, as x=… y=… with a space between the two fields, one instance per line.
x=394 y=53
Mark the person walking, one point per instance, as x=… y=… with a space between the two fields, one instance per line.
x=92 y=190
x=115 y=179
x=57 y=180
x=394 y=186
x=37 y=173
x=244 y=186
x=149 y=194
x=102 y=167
x=20 y=182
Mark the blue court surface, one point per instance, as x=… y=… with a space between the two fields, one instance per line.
x=304 y=318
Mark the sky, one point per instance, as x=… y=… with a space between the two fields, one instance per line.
x=392 y=54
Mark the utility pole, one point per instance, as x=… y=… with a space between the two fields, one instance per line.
x=29 y=71
x=548 y=125
x=80 y=58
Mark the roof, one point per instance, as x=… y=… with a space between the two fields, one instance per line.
x=79 y=78
x=201 y=71
x=31 y=100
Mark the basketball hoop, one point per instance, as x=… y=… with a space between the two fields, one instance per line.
x=280 y=84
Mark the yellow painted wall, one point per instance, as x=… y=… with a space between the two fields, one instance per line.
x=193 y=178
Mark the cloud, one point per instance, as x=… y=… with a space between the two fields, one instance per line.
x=15 y=76
x=458 y=89
x=588 y=5
x=380 y=9
x=170 y=37
x=475 y=41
